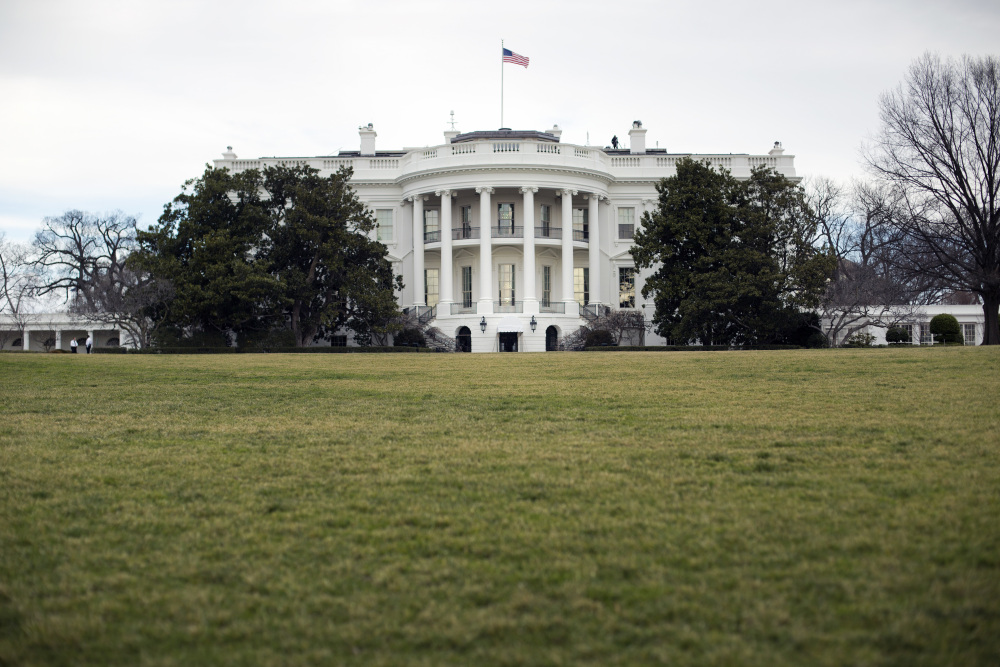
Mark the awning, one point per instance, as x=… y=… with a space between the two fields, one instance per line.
x=510 y=325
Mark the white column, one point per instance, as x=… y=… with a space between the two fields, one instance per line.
x=485 y=251
x=530 y=295
x=594 y=259
x=26 y=340
x=445 y=289
x=418 y=250
x=567 y=247
x=58 y=339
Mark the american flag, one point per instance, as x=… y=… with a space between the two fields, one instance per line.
x=516 y=58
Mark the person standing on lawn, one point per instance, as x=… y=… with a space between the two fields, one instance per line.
x=90 y=343
x=73 y=345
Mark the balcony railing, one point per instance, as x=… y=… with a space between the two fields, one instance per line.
x=463 y=233
x=464 y=308
x=592 y=311
x=432 y=237
x=626 y=231
x=581 y=235
x=552 y=307
x=507 y=232
x=506 y=306
x=548 y=232
x=426 y=313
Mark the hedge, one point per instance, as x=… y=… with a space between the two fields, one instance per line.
x=685 y=348
x=275 y=350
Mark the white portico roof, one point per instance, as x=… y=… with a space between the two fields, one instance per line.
x=510 y=324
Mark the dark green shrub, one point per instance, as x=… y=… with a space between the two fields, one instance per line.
x=169 y=337
x=258 y=341
x=817 y=340
x=946 y=330
x=860 y=339
x=897 y=336
x=599 y=338
x=407 y=338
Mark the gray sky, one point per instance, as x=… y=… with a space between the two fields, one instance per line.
x=114 y=104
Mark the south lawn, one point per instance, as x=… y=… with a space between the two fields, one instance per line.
x=827 y=507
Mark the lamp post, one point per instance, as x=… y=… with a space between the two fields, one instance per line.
x=482 y=325
x=533 y=323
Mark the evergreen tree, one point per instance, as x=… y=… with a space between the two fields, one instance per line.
x=734 y=262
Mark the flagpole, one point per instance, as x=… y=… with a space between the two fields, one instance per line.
x=501 y=82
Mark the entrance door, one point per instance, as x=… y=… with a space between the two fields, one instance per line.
x=551 y=339
x=508 y=342
x=464 y=340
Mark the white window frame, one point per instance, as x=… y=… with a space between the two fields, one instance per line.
x=581 y=223
x=626 y=216
x=432 y=218
x=581 y=279
x=546 y=286
x=391 y=227
x=466 y=272
x=432 y=275
x=502 y=271
x=545 y=220
x=966 y=326
x=618 y=277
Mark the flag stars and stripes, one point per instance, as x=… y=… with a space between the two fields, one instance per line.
x=515 y=58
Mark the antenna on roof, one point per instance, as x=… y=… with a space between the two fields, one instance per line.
x=452 y=121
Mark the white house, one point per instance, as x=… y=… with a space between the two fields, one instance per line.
x=506 y=240
x=509 y=240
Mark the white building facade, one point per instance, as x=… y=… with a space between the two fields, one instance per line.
x=45 y=332
x=510 y=240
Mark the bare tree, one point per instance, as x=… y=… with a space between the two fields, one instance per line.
x=129 y=299
x=18 y=286
x=626 y=326
x=868 y=287
x=940 y=146
x=79 y=252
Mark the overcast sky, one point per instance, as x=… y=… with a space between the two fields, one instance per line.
x=113 y=105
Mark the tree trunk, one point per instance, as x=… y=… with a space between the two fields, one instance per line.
x=991 y=327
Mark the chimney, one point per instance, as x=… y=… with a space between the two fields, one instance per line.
x=555 y=131
x=449 y=135
x=777 y=150
x=637 y=138
x=229 y=154
x=368 y=135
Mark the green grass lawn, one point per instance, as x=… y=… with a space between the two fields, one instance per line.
x=834 y=507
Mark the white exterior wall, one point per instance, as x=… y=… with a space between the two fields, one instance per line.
x=60 y=328
x=965 y=314
x=504 y=167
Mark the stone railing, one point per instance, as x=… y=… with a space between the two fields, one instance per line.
x=520 y=153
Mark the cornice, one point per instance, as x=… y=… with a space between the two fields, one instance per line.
x=531 y=169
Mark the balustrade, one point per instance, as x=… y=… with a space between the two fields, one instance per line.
x=508 y=306
x=548 y=232
x=465 y=308
x=507 y=232
x=462 y=233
